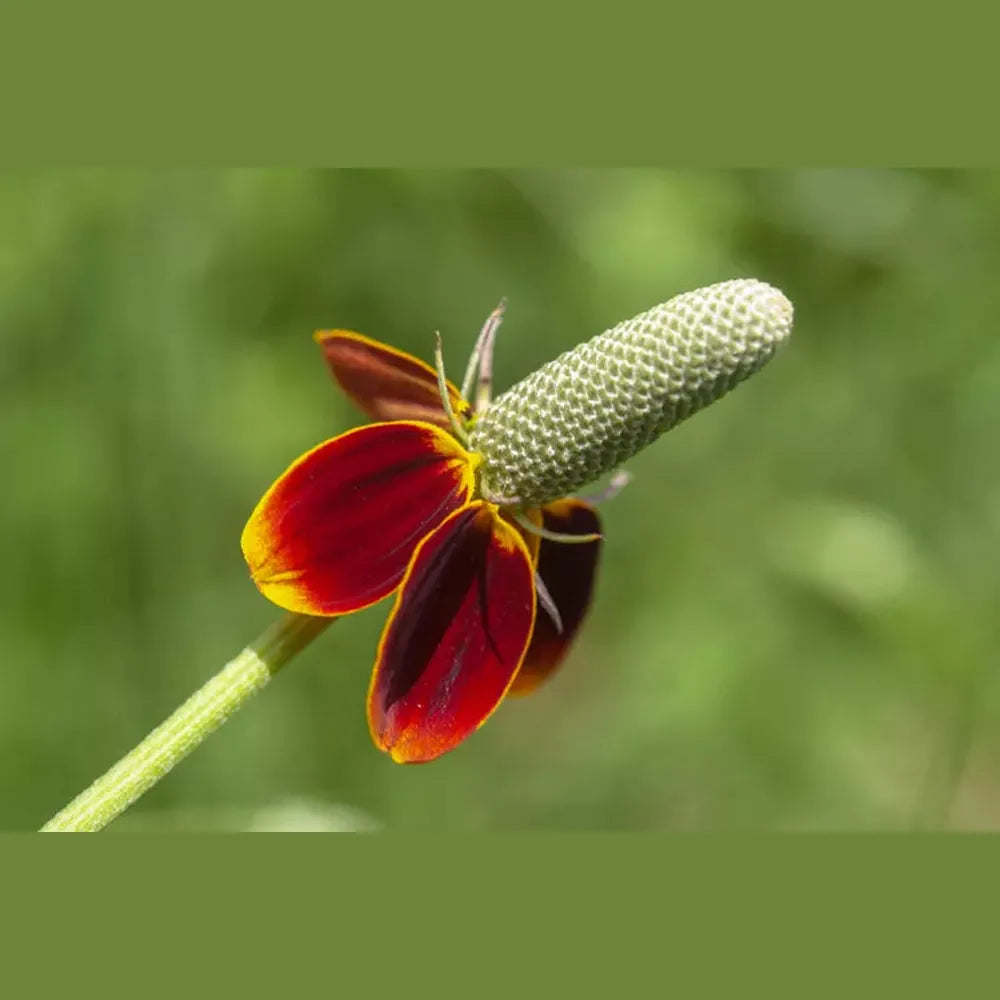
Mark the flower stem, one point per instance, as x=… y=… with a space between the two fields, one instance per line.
x=203 y=713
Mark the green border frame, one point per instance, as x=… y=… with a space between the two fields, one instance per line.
x=114 y=84
x=500 y=915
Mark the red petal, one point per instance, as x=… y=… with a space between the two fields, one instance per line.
x=384 y=383
x=568 y=571
x=456 y=636
x=336 y=531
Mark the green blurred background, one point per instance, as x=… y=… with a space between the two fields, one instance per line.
x=796 y=622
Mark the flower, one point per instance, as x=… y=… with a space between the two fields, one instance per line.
x=395 y=506
x=462 y=507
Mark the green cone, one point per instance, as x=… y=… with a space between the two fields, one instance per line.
x=594 y=407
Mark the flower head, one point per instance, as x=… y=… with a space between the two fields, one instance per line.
x=462 y=509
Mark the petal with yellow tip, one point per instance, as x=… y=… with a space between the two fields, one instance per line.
x=336 y=531
x=456 y=636
x=384 y=383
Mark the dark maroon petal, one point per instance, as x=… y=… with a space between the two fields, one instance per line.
x=456 y=636
x=568 y=571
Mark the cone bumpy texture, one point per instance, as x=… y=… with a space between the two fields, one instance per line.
x=595 y=406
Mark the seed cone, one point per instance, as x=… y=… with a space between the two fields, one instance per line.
x=595 y=406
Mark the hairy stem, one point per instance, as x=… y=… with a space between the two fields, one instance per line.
x=203 y=713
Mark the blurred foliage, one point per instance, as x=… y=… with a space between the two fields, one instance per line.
x=796 y=625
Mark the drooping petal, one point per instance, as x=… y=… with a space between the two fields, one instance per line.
x=568 y=571
x=335 y=532
x=384 y=383
x=456 y=636
x=531 y=540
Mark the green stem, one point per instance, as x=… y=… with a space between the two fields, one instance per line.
x=200 y=715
